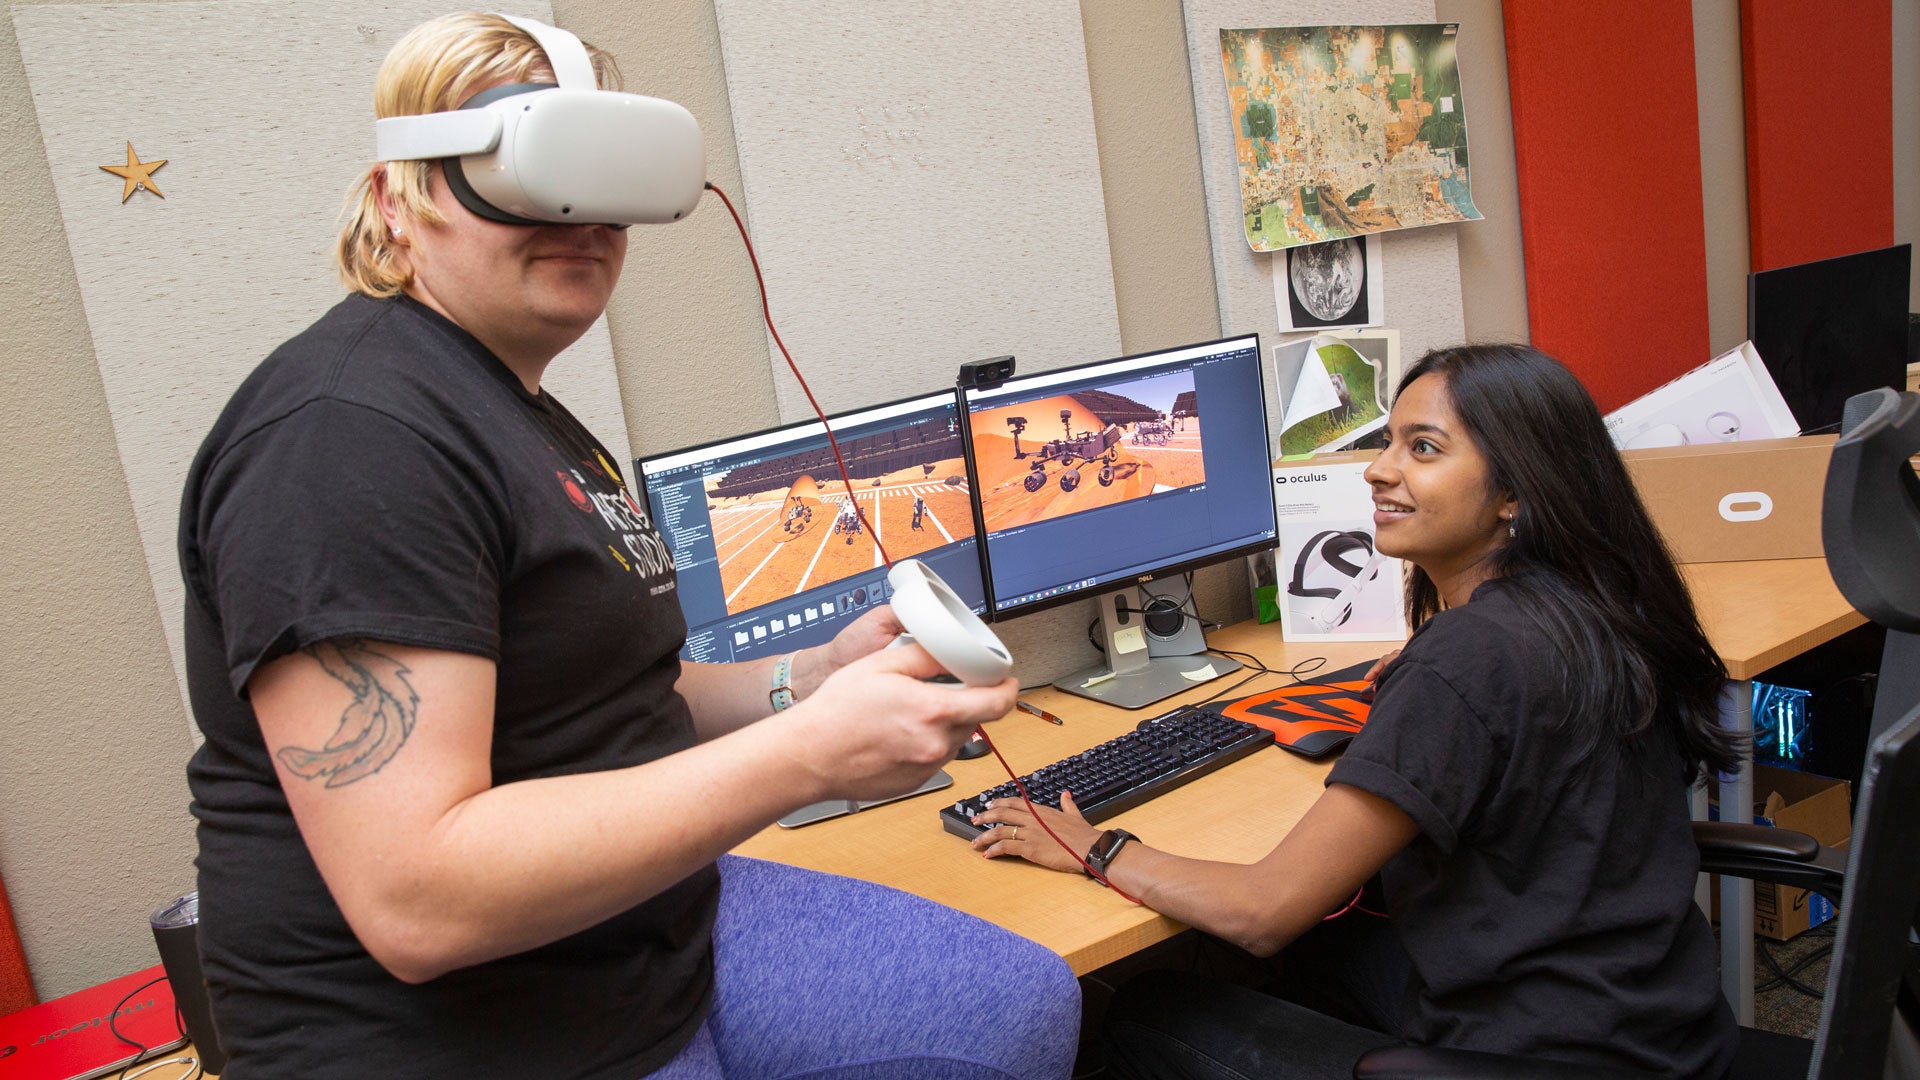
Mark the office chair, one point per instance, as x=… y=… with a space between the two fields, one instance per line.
x=1870 y=1020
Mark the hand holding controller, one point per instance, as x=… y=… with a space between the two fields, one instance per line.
x=950 y=631
x=954 y=638
x=939 y=622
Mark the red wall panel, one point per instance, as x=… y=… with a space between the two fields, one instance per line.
x=16 y=982
x=1819 y=103
x=1606 y=135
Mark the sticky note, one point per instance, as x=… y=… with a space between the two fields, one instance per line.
x=1130 y=640
x=1097 y=680
x=1201 y=674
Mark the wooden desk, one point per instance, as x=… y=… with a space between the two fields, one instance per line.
x=1756 y=613
x=1759 y=614
x=1237 y=814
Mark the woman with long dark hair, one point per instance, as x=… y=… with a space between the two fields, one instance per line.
x=1520 y=786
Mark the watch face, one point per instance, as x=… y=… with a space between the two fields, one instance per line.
x=1104 y=848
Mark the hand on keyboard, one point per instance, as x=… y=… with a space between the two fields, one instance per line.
x=1011 y=830
x=1157 y=756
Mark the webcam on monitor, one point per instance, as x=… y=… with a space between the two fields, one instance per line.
x=986 y=374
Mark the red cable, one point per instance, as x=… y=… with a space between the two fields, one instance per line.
x=847 y=479
x=1038 y=820
x=767 y=311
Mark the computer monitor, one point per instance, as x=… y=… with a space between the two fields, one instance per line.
x=769 y=554
x=1831 y=329
x=1097 y=478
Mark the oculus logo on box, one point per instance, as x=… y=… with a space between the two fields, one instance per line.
x=1738 y=506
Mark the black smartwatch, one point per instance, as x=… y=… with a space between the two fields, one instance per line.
x=1105 y=848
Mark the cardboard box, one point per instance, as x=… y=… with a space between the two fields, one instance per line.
x=1803 y=802
x=1731 y=502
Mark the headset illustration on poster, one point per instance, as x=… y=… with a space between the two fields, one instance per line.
x=1330 y=579
x=1342 y=562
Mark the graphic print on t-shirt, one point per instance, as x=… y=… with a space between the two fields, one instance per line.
x=575 y=494
x=635 y=546
x=592 y=483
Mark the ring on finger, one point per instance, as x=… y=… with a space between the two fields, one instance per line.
x=1013 y=832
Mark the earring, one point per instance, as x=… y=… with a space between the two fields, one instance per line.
x=1510 y=532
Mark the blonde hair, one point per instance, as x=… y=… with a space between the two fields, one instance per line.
x=434 y=68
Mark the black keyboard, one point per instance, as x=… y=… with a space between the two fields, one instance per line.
x=1157 y=756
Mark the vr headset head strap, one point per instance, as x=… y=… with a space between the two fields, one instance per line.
x=572 y=67
x=1298 y=586
x=471 y=129
x=1337 y=544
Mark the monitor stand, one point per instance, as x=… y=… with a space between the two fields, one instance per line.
x=833 y=808
x=1131 y=677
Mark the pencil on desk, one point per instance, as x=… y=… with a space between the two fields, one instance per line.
x=1038 y=711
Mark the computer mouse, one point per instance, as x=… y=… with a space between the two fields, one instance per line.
x=974 y=747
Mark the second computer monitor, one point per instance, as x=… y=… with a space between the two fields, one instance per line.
x=1831 y=329
x=770 y=553
x=1110 y=474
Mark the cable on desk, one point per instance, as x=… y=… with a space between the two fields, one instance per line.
x=1184 y=608
x=1304 y=667
x=140 y=1050
x=1038 y=820
x=193 y=1068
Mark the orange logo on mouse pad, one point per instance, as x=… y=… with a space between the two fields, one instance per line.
x=1312 y=719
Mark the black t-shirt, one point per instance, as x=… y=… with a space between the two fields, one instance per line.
x=383 y=476
x=1547 y=903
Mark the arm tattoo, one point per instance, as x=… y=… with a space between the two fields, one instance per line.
x=372 y=728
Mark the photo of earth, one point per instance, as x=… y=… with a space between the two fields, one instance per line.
x=1327 y=278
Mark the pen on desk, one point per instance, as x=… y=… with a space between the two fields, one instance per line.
x=1037 y=711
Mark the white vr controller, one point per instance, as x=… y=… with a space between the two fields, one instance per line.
x=941 y=623
x=573 y=154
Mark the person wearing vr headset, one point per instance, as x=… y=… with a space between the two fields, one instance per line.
x=462 y=810
x=1520 y=785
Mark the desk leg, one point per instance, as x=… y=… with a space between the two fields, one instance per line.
x=1736 y=894
x=1702 y=887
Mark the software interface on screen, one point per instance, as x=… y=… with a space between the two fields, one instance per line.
x=770 y=554
x=1099 y=474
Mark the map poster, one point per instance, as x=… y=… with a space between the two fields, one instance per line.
x=1346 y=130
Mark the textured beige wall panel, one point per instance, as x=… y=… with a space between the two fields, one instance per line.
x=1493 y=276
x=1723 y=169
x=263 y=132
x=1150 y=172
x=1906 y=132
x=93 y=823
x=923 y=187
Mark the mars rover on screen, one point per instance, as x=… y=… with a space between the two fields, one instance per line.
x=1132 y=438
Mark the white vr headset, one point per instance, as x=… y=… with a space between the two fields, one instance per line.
x=537 y=153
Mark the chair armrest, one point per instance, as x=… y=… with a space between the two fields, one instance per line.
x=1437 y=1063
x=1736 y=838
x=1764 y=853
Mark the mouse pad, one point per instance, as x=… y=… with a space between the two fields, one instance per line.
x=1312 y=719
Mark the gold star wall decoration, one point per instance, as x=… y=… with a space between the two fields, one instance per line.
x=138 y=174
